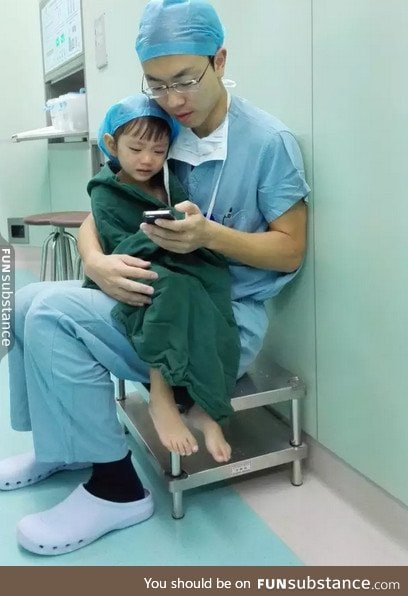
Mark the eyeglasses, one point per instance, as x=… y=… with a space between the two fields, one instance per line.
x=183 y=87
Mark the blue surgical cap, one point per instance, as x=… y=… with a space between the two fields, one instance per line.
x=127 y=109
x=172 y=27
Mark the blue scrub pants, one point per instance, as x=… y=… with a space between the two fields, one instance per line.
x=66 y=346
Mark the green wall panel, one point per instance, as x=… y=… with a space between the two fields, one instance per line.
x=361 y=213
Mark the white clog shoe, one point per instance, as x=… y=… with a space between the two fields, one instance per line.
x=24 y=470
x=79 y=520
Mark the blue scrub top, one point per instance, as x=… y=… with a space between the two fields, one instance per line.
x=262 y=178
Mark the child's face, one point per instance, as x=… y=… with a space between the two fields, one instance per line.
x=141 y=159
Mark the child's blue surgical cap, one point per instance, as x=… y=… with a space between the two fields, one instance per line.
x=172 y=27
x=127 y=109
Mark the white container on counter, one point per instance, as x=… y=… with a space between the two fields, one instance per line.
x=68 y=112
x=76 y=111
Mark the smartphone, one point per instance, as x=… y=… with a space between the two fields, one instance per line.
x=151 y=216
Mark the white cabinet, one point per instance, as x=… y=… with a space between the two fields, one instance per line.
x=63 y=56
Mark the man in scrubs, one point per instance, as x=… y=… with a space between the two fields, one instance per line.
x=243 y=172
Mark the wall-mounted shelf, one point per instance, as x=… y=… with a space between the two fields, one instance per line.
x=63 y=66
x=49 y=133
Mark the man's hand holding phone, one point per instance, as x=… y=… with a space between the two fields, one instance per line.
x=179 y=235
x=150 y=217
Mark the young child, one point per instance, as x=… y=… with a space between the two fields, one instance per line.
x=136 y=135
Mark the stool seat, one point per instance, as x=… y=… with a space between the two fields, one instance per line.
x=68 y=219
x=41 y=219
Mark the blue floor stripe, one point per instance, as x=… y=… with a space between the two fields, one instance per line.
x=219 y=528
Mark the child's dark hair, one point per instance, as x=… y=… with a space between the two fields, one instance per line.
x=150 y=128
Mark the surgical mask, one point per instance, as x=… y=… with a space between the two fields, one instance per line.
x=191 y=149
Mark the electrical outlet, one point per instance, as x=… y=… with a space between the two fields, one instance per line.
x=17 y=231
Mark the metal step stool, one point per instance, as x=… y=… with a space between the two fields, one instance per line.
x=59 y=248
x=259 y=439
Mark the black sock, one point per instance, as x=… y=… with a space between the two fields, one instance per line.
x=116 y=481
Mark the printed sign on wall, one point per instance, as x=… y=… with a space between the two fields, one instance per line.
x=61 y=32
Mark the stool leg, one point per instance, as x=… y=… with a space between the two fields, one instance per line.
x=121 y=390
x=122 y=397
x=175 y=462
x=68 y=256
x=297 y=478
x=54 y=258
x=72 y=251
x=62 y=255
x=79 y=273
x=59 y=255
x=71 y=238
x=44 y=256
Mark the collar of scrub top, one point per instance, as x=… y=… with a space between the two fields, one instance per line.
x=190 y=149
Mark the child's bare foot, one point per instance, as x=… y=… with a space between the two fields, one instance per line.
x=172 y=431
x=214 y=437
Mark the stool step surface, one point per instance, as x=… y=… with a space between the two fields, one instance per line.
x=258 y=441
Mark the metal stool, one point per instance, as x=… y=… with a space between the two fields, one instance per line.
x=260 y=438
x=65 y=262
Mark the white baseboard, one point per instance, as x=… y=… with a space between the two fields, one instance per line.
x=372 y=502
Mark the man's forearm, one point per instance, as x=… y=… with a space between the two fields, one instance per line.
x=267 y=250
x=88 y=241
